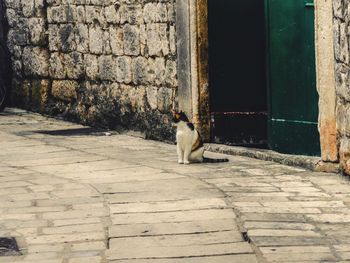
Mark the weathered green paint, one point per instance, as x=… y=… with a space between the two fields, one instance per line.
x=293 y=99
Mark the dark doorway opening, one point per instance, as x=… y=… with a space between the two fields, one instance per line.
x=237 y=72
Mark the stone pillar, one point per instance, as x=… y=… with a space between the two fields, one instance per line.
x=192 y=40
x=326 y=80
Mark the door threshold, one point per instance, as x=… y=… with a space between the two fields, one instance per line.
x=311 y=163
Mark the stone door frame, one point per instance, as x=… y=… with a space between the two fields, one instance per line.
x=325 y=73
x=192 y=46
x=193 y=92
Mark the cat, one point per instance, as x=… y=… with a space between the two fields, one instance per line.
x=190 y=147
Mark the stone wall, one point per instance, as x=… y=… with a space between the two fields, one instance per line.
x=341 y=20
x=100 y=62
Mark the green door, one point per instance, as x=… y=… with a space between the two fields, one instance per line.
x=293 y=105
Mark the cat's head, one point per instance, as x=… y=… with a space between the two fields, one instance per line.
x=179 y=116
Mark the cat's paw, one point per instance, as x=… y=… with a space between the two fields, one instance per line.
x=180 y=161
x=186 y=162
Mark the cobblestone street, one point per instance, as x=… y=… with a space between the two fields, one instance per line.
x=70 y=194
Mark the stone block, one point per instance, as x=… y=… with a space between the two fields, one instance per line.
x=171 y=12
x=152 y=97
x=156 y=70
x=107 y=68
x=155 y=12
x=95 y=14
x=139 y=96
x=14 y=4
x=131 y=36
x=57 y=69
x=131 y=14
x=65 y=90
x=80 y=14
x=37 y=31
x=91 y=66
x=343 y=81
x=54 y=40
x=139 y=66
x=82 y=37
x=53 y=2
x=66 y=38
x=124 y=74
x=96 y=39
x=343 y=44
x=143 y=41
x=157 y=39
x=56 y=14
x=28 y=8
x=338 y=9
x=40 y=93
x=18 y=36
x=171 y=73
x=165 y=99
x=74 y=65
x=36 y=61
x=39 y=6
x=116 y=40
x=112 y=16
x=12 y=17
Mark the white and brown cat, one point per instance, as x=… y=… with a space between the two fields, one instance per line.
x=190 y=148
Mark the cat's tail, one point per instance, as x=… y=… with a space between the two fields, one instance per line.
x=210 y=160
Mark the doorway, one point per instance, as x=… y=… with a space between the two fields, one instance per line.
x=262 y=76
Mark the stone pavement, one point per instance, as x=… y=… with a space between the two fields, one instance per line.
x=71 y=195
